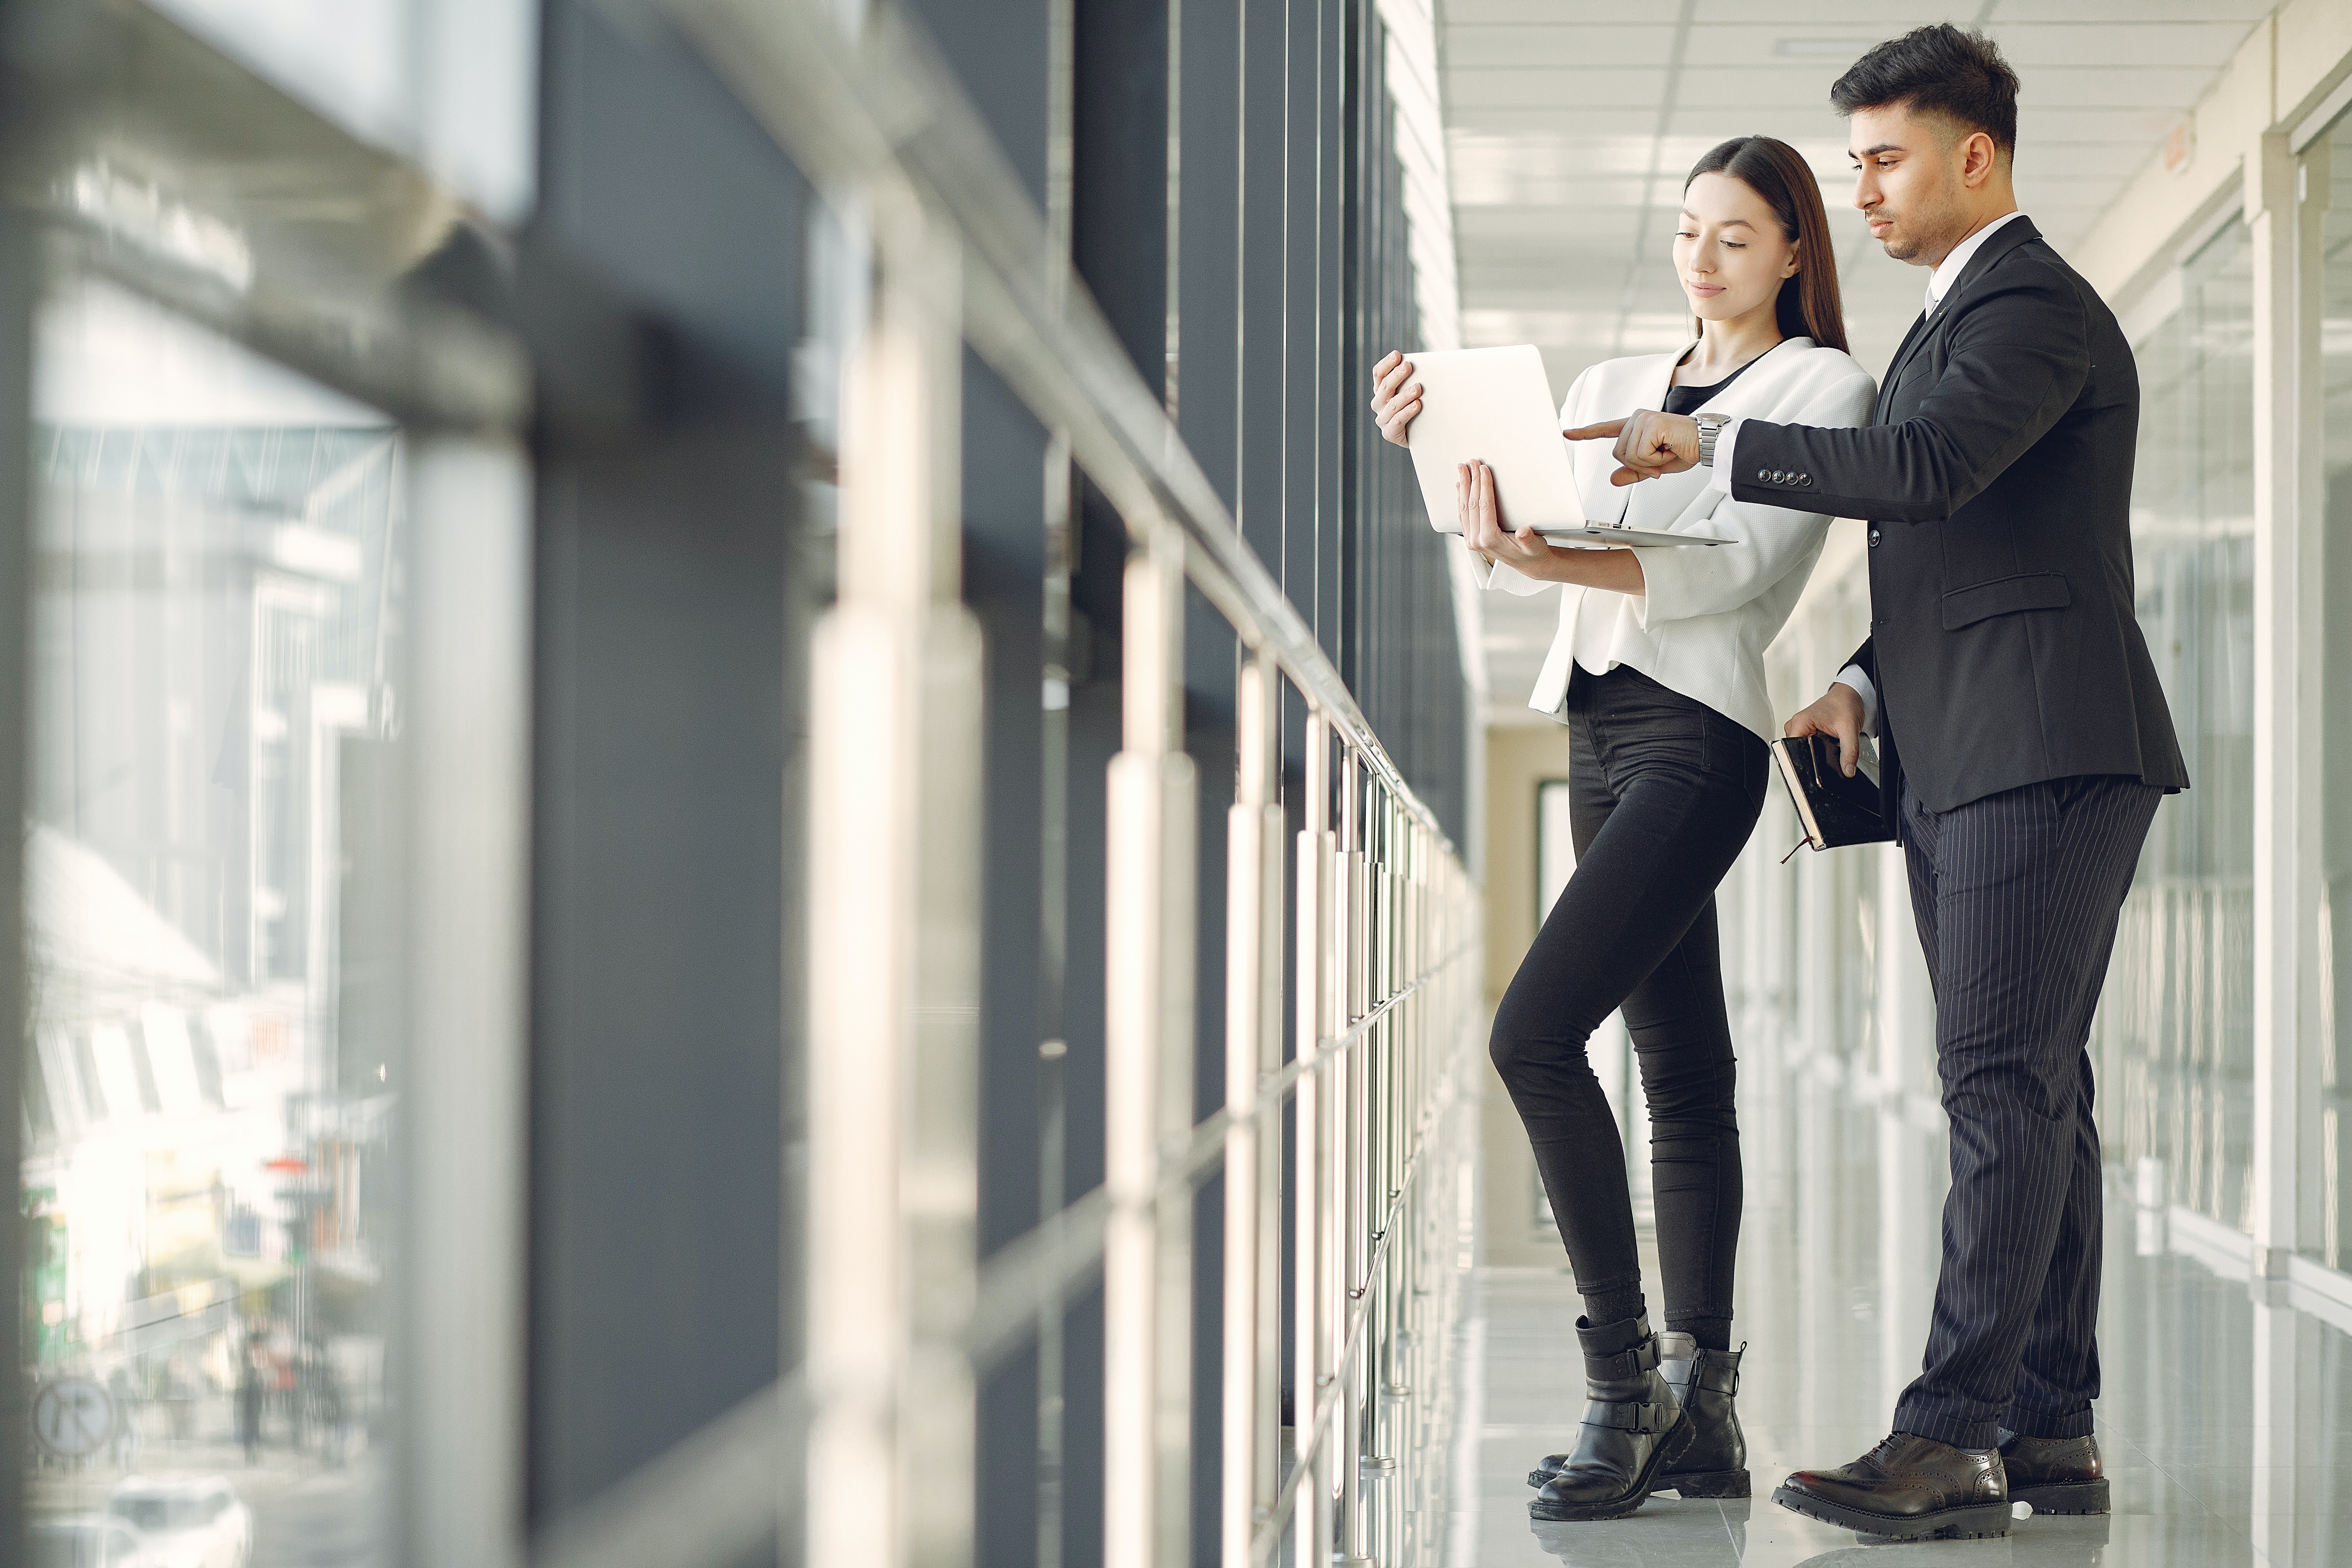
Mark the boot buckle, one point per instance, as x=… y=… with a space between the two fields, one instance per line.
x=1639 y=1417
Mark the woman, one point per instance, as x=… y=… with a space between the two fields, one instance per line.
x=1657 y=669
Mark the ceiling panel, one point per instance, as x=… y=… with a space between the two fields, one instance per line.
x=1502 y=187
x=1810 y=126
x=1471 y=13
x=1749 y=89
x=1556 y=88
x=1471 y=117
x=1617 y=223
x=1485 y=327
x=2194 y=46
x=1753 y=45
x=1866 y=18
x=2127 y=13
x=1560 y=45
x=1557 y=286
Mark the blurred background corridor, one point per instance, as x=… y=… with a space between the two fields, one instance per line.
x=758 y=829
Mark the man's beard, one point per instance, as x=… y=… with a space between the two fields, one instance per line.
x=1901 y=250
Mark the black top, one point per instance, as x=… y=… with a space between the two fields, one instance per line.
x=1997 y=481
x=1691 y=399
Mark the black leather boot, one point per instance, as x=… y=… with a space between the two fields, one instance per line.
x=1704 y=1383
x=1632 y=1428
x=2056 y=1475
x=1910 y=1488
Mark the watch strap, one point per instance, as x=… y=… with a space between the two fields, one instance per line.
x=1711 y=425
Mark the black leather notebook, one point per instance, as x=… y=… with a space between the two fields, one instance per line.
x=1833 y=810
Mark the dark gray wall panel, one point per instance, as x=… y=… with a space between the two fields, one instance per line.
x=656 y=1038
x=669 y=713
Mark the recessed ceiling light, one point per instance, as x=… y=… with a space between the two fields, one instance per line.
x=1823 y=48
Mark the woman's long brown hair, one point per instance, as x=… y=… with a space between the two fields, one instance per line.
x=1809 y=304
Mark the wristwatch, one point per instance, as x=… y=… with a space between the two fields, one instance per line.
x=1711 y=425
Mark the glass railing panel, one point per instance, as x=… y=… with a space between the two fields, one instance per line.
x=2174 y=1034
x=217 y=604
x=2327 y=184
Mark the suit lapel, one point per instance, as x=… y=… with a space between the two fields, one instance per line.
x=1998 y=244
x=1911 y=339
x=2008 y=238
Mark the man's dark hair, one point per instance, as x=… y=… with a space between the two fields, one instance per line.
x=1937 y=70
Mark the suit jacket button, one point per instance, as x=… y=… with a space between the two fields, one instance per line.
x=1777 y=476
x=1874 y=539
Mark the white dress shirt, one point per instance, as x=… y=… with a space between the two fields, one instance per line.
x=1948 y=271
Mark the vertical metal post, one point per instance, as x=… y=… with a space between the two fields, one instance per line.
x=1371 y=1373
x=1399 y=1435
x=1388 y=1115
x=1147 y=1036
x=1347 y=1071
x=2315 y=1047
x=2287 y=727
x=1415 y=1493
x=1311 y=1188
x=20 y=263
x=1390 y=976
x=2270 y=212
x=894 y=964
x=1246 y=953
x=1061 y=535
x=467 y=787
x=1052 y=990
x=1273 y=936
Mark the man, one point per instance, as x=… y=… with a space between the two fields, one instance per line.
x=2026 y=744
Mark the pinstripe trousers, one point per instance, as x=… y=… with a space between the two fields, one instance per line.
x=2017 y=898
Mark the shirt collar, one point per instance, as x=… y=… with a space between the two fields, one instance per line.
x=1940 y=282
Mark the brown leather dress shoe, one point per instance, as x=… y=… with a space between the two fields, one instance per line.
x=1907 y=1489
x=2056 y=1475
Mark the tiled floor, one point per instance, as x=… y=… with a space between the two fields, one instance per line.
x=2227 y=1425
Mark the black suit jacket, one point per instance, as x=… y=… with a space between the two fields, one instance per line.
x=1997 y=481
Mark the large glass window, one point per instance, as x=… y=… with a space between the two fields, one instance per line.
x=217 y=604
x=2175 y=1031
x=2327 y=180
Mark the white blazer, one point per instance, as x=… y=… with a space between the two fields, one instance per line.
x=1710 y=611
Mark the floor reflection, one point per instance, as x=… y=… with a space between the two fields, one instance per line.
x=2223 y=1421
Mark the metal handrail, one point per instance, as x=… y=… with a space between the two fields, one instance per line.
x=1267 y=1540
x=893 y=114
x=1048 y=1264
x=710 y=1499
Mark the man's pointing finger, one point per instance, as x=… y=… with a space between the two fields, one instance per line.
x=1594 y=432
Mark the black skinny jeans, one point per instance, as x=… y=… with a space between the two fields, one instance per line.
x=1666 y=793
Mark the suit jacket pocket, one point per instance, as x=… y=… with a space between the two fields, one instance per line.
x=2005 y=595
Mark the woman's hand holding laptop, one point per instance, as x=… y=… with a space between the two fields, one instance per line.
x=1484 y=531
x=1396 y=398
x=1396 y=402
